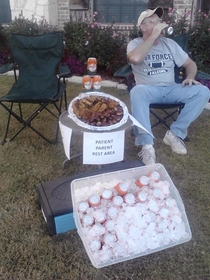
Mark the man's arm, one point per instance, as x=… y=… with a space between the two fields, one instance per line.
x=191 y=70
x=137 y=55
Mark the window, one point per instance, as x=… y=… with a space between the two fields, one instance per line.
x=165 y=4
x=79 y=4
x=205 y=6
x=119 y=11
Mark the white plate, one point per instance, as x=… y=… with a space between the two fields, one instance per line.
x=98 y=128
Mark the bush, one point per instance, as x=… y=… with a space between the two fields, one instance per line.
x=90 y=39
x=3 y=38
x=30 y=27
x=199 y=34
x=3 y=46
x=135 y=32
x=76 y=66
x=199 y=39
x=179 y=22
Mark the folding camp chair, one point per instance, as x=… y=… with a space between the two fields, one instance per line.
x=39 y=82
x=168 y=111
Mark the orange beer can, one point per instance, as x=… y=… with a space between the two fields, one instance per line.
x=97 y=82
x=92 y=64
x=86 y=82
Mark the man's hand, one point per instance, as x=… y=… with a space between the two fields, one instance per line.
x=159 y=29
x=191 y=70
x=190 y=82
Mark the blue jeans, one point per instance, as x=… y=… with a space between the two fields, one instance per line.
x=194 y=97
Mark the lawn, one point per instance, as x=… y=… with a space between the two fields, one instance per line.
x=28 y=252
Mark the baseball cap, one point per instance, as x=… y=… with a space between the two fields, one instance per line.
x=159 y=11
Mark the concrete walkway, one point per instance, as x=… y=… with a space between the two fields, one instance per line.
x=78 y=80
x=105 y=83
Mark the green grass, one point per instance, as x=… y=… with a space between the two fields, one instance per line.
x=27 y=252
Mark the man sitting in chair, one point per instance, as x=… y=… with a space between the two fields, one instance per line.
x=153 y=58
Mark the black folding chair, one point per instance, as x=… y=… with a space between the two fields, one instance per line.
x=41 y=81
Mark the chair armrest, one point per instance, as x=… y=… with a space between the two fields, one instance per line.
x=202 y=75
x=64 y=71
x=125 y=71
x=6 y=68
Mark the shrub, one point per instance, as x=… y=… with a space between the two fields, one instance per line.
x=3 y=46
x=3 y=38
x=30 y=27
x=199 y=39
x=199 y=34
x=179 y=22
x=76 y=66
x=135 y=32
x=90 y=39
x=205 y=83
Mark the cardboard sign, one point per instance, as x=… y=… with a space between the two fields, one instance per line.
x=103 y=148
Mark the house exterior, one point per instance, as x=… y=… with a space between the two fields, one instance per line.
x=125 y=12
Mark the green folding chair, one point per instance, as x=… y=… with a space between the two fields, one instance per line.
x=41 y=82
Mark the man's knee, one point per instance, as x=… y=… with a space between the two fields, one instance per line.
x=199 y=92
x=203 y=93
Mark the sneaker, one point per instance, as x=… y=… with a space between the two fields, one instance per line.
x=147 y=154
x=177 y=145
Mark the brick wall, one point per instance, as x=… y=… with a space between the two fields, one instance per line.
x=181 y=5
x=63 y=12
x=73 y=10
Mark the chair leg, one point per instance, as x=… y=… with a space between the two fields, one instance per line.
x=64 y=95
x=9 y=119
x=160 y=120
x=8 y=123
x=38 y=111
x=65 y=100
x=168 y=116
x=27 y=122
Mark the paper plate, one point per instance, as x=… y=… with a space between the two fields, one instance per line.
x=98 y=128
